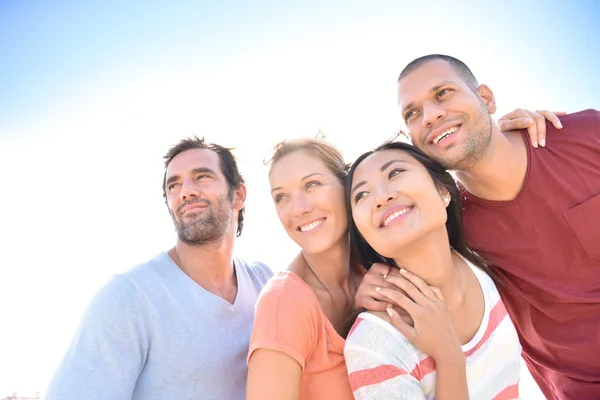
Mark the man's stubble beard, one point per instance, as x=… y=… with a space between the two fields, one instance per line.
x=210 y=228
x=475 y=146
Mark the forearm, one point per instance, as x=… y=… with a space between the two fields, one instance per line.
x=451 y=378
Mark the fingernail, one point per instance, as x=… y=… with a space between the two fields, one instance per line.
x=402 y=271
x=559 y=124
x=534 y=143
x=528 y=120
x=389 y=312
x=543 y=142
x=385 y=276
x=377 y=289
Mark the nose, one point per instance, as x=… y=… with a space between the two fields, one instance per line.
x=384 y=195
x=432 y=113
x=188 y=189
x=301 y=205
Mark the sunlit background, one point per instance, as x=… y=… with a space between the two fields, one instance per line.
x=92 y=94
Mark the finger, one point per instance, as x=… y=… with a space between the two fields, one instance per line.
x=438 y=293
x=373 y=304
x=516 y=114
x=540 y=126
x=506 y=125
x=410 y=289
x=367 y=294
x=419 y=283
x=374 y=276
x=381 y=269
x=552 y=117
x=401 y=325
x=400 y=299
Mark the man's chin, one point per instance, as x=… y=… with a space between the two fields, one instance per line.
x=195 y=239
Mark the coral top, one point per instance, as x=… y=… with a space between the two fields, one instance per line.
x=289 y=319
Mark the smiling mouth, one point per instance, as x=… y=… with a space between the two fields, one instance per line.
x=311 y=226
x=445 y=134
x=394 y=216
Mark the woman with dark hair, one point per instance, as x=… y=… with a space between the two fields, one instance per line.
x=454 y=337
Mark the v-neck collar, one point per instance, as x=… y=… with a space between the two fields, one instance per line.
x=240 y=274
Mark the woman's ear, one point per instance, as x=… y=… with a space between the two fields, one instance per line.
x=445 y=195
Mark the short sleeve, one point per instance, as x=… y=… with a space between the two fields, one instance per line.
x=286 y=319
x=380 y=364
x=262 y=271
x=108 y=352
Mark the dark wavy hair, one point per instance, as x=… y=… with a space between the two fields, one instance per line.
x=228 y=166
x=367 y=256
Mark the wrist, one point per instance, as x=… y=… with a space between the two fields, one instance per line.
x=454 y=357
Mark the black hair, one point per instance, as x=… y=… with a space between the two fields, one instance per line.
x=459 y=67
x=367 y=256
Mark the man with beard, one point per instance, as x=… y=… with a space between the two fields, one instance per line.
x=532 y=213
x=177 y=326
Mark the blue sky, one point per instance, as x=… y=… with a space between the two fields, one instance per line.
x=93 y=93
x=53 y=49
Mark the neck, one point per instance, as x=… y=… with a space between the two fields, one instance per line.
x=333 y=265
x=432 y=260
x=210 y=265
x=499 y=175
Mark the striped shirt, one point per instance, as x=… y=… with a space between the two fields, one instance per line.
x=383 y=364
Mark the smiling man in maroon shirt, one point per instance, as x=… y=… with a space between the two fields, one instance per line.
x=534 y=213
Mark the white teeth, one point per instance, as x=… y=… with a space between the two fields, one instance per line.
x=311 y=226
x=395 y=215
x=444 y=134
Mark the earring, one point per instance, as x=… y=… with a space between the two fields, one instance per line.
x=446 y=200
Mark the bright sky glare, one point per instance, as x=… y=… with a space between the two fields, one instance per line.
x=92 y=94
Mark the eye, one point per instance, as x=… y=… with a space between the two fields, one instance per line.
x=201 y=176
x=409 y=115
x=394 y=172
x=172 y=186
x=312 y=184
x=359 y=196
x=443 y=92
x=278 y=198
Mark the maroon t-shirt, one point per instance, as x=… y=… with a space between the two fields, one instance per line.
x=546 y=245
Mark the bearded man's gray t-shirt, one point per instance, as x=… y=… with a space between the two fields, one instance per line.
x=152 y=333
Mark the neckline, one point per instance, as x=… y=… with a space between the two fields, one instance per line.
x=485 y=320
x=471 y=197
x=483 y=325
x=238 y=273
x=328 y=325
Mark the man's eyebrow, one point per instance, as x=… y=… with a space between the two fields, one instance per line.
x=172 y=179
x=441 y=84
x=199 y=170
x=203 y=170
x=433 y=89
